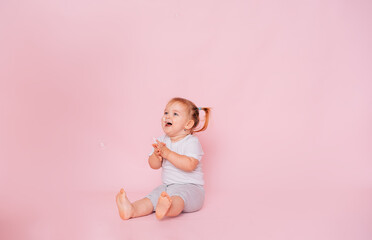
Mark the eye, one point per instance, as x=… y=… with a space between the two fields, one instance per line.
x=175 y=114
x=165 y=113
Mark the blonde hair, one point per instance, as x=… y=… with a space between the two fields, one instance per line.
x=194 y=113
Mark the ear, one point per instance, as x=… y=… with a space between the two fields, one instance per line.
x=189 y=124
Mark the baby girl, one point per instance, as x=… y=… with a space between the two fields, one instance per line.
x=178 y=152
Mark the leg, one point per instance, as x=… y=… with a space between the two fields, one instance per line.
x=143 y=207
x=169 y=206
x=128 y=210
x=177 y=206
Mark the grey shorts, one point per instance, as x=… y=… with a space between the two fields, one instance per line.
x=192 y=195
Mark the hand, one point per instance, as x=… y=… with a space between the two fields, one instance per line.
x=163 y=150
x=157 y=151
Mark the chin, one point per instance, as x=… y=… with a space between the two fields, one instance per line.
x=166 y=131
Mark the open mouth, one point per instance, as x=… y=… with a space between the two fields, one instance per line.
x=168 y=124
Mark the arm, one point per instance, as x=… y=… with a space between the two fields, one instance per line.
x=155 y=160
x=182 y=162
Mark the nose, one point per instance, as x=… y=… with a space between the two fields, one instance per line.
x=167 y=118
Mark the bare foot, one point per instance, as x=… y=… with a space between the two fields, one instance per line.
x=126 y=209
x=164 y=203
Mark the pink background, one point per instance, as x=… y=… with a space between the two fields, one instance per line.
x=288 y=151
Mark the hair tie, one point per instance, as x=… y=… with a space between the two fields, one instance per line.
x=199 y=108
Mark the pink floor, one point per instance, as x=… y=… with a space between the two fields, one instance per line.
x=264 y=214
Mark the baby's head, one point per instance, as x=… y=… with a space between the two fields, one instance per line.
x=181 y=117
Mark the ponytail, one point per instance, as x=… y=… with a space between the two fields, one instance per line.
x=207 y=111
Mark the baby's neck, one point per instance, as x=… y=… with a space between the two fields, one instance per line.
x=178 y=138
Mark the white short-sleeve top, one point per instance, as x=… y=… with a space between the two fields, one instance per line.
x=188 y=146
